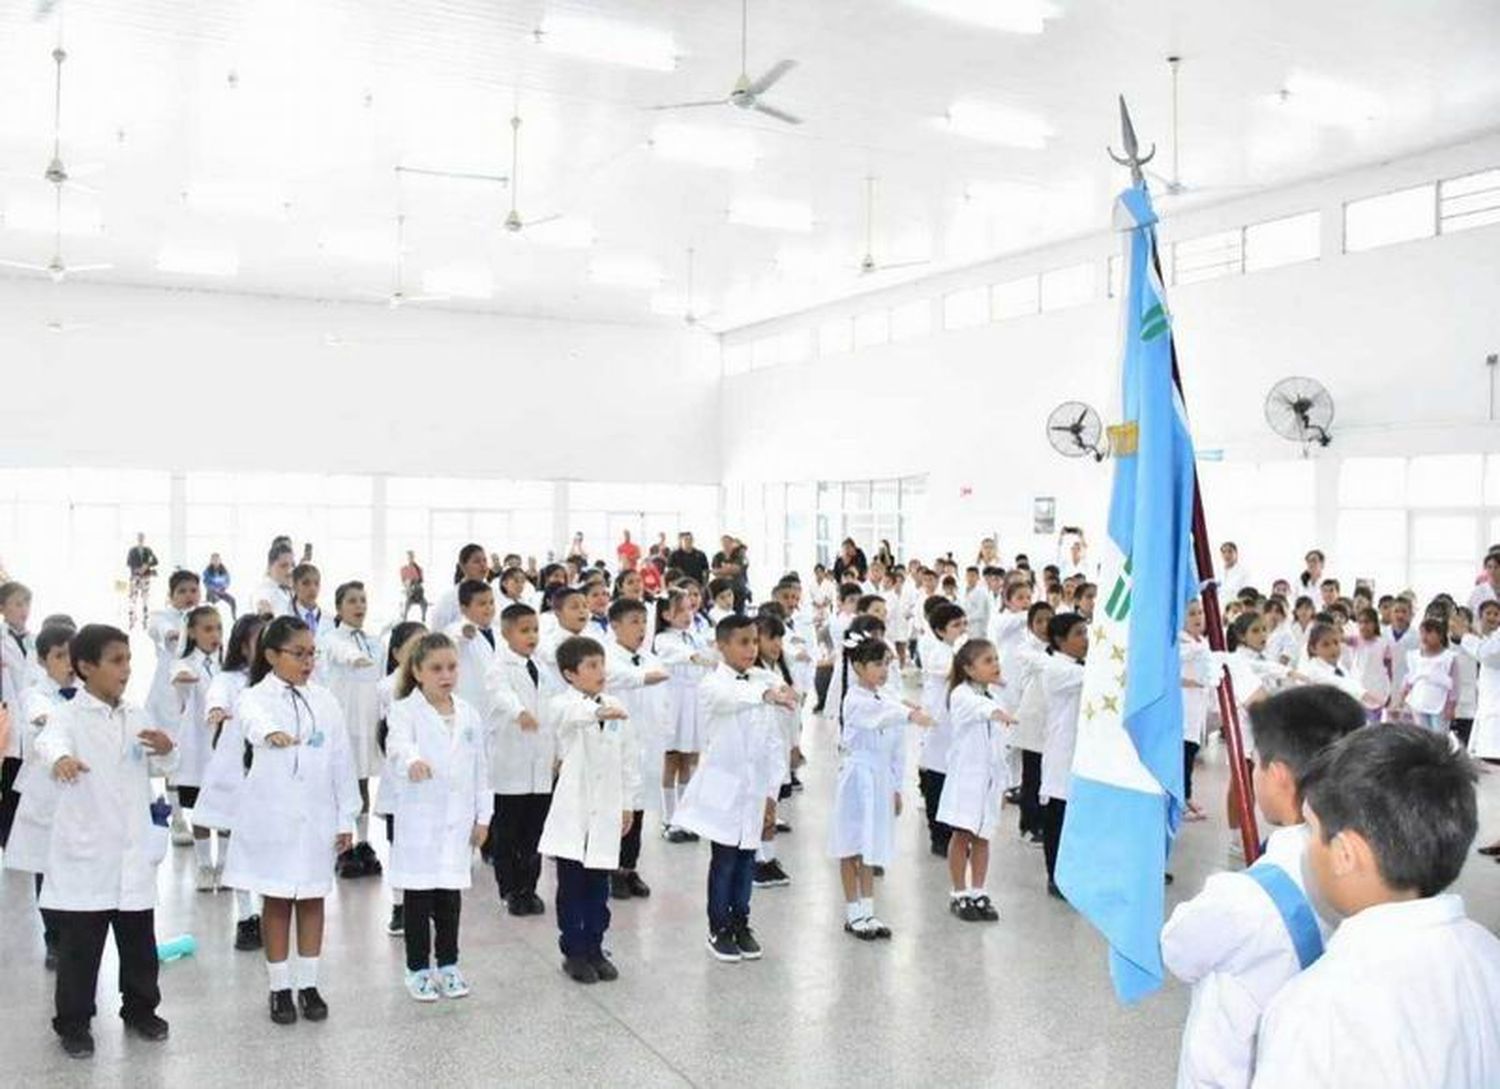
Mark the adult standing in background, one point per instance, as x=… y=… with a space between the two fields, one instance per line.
x=989 y=555
x=216 y=584
x=850 y=560
x=627 y=552
x=577 y=553
x=1488 y=588
x=141 y=563
x=732 y=562
x=1313 y=576
x=689 y=559
x=885 y=555
x=413 y=587
x=1235 y=578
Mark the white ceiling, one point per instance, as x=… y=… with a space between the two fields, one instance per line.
x=294 y=163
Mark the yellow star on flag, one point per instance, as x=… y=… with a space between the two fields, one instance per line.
x=1117 y=652
x=1110 y=703
x=1088 y=711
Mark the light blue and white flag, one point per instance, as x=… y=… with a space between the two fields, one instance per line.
x=1125 y=798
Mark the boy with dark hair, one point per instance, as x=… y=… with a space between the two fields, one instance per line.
x=17 y=666
x=1408 y=993
x=632 y=673
x=1246 y=934
x=473 y=635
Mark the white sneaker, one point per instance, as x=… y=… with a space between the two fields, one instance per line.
x=218 y=876
x=421 y=987
x=207 y=881
x=182 y=835
x=452 y=982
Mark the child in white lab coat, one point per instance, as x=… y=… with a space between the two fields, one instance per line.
x=771 y=656
x=678 y=649
x=401 y=641
x=436 y=747
x=1325 y=646
x=474 y=636
x=473 y=566
x=591 y=806
x=350 y=669
x=1467 y=700
x=274 y=594
x=632 y=674
x=225 y=772
x=733 y=796
x=1200 y=681
x=1023 y=696
x=1246 y=934
x=867 y=801
x=17 y=669
x=1431 y=688
x=1403 y=636
x=102 y=856
x=163 y=702
x=193 y=674
x=977 y=777
x=947 y=628
x=296 y=810
x=307 y=584
x=1062 y=683
x=1408 y=991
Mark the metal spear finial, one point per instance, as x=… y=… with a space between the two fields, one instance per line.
x=1132 y=157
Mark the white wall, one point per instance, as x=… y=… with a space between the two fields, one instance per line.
x=1399 y=335
x=198 y=380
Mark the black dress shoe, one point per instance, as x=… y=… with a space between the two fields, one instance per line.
x=247 y=934
x=619 y=888
x=348 y=864
x=783 y=827
x=283 y=1009
x=604 y=968
x=518 y=904
x=537 y=904
x=580 y=970
x=311 y=1003
x=78 y=1045
x=1055 y=892
x=148 y=1026
x=1492 y=851
x=638 y=888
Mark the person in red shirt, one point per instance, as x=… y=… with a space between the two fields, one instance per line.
x=628 y=552
x=651 y=580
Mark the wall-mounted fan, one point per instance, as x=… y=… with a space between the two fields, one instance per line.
x=1074 y=429
x=1300 y=409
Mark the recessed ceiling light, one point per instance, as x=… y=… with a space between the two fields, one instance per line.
x=198 y=259
x=699 y=145
x=621 y=271
x=461 y=280
x=1327 y=101
x=608 y=40
x=995 y=124
x=776 y=215
x=1013 y=16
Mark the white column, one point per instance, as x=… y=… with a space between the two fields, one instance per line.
x=177 y=525
x=562 y=514
x=1326 y=511
x=382 y=575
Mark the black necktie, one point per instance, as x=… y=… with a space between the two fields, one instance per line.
x=635 y=659
x=489 y=637
x=742 y=676
x=533 y=673
x=20 y=638
x=67 y=692
x=1337 y=672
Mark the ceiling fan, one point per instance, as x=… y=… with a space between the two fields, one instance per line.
x=513 y=221
x=746 y=92
x=691 y=317
x=397 y=297
x=1174 y=186
x=57 y=269
x=868 y=265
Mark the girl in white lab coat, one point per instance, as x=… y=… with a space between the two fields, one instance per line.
x=295 y=811
x=1325 y=647
x=436 y=747
x=274 y=594
x=1062 y=682
x=351 y=671
x=1468 y=673
x=163 y=701
x=402 y=640
x=687 y=661
x=200 y=661
x=947 y=628
x=771 y=657
x=473 y=563
x=977 y=777
x=17 y=670
x=867 y=801
x=224 y=773
x=1431 y=687
x=1200 y=680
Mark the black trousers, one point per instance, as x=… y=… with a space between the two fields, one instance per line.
x=930 y=783
x=216 y=596
x=431 y=919
x=1189 y=755
x=80 y=947
x=1463 y=727
x=49 y=918
x=1052 y=825
x=822 y=678
x=731 y=877
x=630 y=842
x=10 y=767
x=1031 y=785
x=515 y=830
x=582 y=909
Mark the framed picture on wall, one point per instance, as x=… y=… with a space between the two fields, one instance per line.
x=1044 y=515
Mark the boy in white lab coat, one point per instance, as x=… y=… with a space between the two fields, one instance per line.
x=163 y=703
x=570 y=614
x=523 y=746
x=101 y=862
x=591 y=806
x=17 y=669
x=1246 y=934
x=632 y=676
x=1408 y=992
x=732 y=797
x=474 y=637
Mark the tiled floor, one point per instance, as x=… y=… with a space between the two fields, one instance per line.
x=1026 y=1002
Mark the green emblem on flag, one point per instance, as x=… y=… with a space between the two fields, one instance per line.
x=1153 y=323
x=1118 y=606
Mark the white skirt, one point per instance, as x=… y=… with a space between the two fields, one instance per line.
x=687 y=729
x=864 y=814
x=1484 y=739
x=195 y=746
x=971 y=797
x=222 y=778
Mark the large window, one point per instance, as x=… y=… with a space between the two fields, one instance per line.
x=1267 y=509
x=1401 y=216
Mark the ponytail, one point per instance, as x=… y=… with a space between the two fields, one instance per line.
x=406 y=679
x=276 y=636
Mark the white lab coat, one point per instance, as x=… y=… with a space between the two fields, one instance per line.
x=163 y=703
x=1005 y=629
x=1484 y=739
x=18 y=669
x=296 y=800
x=31 y=833
x=194 y=737
x=1024 y=695
x=1468 y=681
x=977 y=606
x=744 y=764
x=1062 y=683
x=799 y=648
x=1317 y=671
x=1371 y=665
x=520 y=760
x=1197 y=665
x=225 y=772
x=1407 y=994
x=676 y=648
x=1431 y=680
x=872 y=755
x=1251 y=673
x=599 y=778
x=475 y=660
x=1230 y=944
x=100 y=854
x=383 y=796
x=354 y=686
x=937 y=664
x=272 y=597
x=445 y=611
x=1409 y=640
x=436 y=817
x=625 y=680
x=977 y=772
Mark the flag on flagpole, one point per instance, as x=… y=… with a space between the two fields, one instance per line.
x=1125 y=796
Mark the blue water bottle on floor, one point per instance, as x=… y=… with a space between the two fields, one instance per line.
x=184 y=945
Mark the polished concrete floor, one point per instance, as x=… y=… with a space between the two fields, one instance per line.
x=1025 y=1002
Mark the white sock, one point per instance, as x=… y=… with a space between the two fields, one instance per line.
x=398 y=897
x=974 y=894
x=867 y=907
x=680 y=789
x=763 y=852
x=362 y=828
x=279 y=974
x=955 y=894
x=307 y=972
x=203 y=852
x=854 y=911
x=668 y=804
x=244 y=905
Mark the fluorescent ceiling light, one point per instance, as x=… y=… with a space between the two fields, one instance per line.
x=370 y=246
x=1327 y=101
x=567 y=233
x=198 y=259
x=34 y=212
x=699 y=145
x=608 y=40
x=461 y=280
x=1012 y=16
x=995 y=124
x=775 y=215
x=625 y=272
